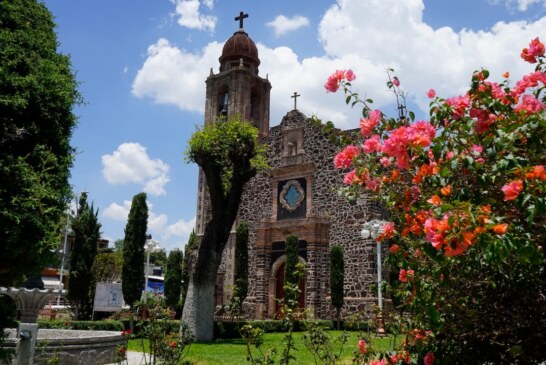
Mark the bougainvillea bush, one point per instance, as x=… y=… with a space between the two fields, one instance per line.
x=465 y=190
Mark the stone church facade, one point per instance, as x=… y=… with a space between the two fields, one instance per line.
x=298 y=195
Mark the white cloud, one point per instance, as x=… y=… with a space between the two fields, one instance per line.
x=523 y=5
x=173 y=76
x=354 y=35
x=190 y=17
x=170 y=236
x=118 y=212
x=282 y=25
x=130 y=163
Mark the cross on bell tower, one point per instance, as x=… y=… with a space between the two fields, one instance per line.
x=240 y=18
x=295 y=96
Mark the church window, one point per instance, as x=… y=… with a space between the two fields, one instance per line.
x=292 y=195
x=223 y=102
x=254 y=108
x=293 y=142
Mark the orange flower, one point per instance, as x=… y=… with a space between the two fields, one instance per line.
x=500 y=228
x=446 y=190
x=506 y=75
x=435 y=200
x=536 y=173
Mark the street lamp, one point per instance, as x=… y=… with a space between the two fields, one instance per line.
x=150 y=246
x=374 y=229
x=64 y=255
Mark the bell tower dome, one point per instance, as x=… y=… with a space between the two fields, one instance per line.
x=238 y=88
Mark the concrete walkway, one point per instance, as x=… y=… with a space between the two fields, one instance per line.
x=134 y=358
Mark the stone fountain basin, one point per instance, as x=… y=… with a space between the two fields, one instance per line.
x=74 y=347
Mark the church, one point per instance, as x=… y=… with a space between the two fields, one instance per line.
x=298 y=195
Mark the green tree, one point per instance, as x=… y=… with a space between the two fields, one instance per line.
x=132 y=273
x=118 y=245
x=173 y=278
x=229 y=154
x=291 y=277
x=81 y=283
x=107 y=267
x=190 y=254
x=38 y=91
x=337 y=277
x=241 y=265
x=159 y=258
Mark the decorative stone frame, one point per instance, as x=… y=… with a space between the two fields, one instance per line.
x=285 y=204
x=292 y=172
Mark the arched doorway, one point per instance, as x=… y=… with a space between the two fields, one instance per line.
x=279 y=291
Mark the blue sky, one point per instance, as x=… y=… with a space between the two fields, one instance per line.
x=142 y=67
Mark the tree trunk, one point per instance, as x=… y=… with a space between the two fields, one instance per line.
x=199 y=309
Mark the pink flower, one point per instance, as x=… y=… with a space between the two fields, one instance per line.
x=459 y=105
x=395 y=81
x=403 y=276
x=367 y=124
x=373 y=184
x=477 y=148
x=335 y=79
x=530 y=104
x=536 y=49
x=372 y=144
x=431 y=93
x=420 y=133
x=344 y=159
x=512 y=189
x=351 y=178
x=362 y=346
x=385 y=161
x=450 y=155
x=429 y=359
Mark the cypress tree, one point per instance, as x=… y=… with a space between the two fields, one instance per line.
x=81 y=282
x=132 y=273
x=173 y=278
x=291 y=277
x=337 y=277
x=190 y=253
x=241 y=264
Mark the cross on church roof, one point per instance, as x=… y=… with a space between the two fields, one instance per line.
x=240 y=19
x=295 y=96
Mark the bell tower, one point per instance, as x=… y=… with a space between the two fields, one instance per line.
x=236 y=90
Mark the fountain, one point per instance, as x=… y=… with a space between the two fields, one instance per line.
x=70 y=346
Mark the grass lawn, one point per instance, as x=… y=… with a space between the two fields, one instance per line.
x=233 y=351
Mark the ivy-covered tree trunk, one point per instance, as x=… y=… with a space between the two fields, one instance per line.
x=132 y=272
x=337 y=277
x=81 y=283
x=241 y=265
x=229 y=156
x=190 y=256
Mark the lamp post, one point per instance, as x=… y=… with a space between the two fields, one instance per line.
x=150 y=246
x=373 y=229
x=64 y=256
